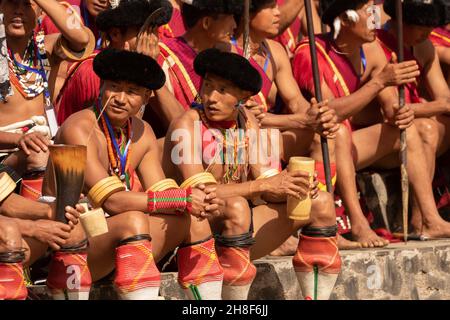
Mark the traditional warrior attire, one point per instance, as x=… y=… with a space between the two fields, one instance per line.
x=12 y=282
x=177 y=57
x=82 y=85
x=175 y=27
x=290 y=38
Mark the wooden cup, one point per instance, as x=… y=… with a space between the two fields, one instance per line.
x=94 y=223
x=300 y=209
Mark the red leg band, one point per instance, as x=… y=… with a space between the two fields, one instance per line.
x=12 y=282
x=198 y=264
x=31 y=188
x=237 y=267
x=69 y=272
x=320 y=252
x=135 y=267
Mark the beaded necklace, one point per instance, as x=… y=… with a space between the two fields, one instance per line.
x=119 y=149
x=235 y=145
x=33 y=64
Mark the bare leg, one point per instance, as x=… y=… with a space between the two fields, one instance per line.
x=346 y=182
x=372 y=154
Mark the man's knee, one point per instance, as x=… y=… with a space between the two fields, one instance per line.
x=12 y=236
x=322 y=211
x=134 y=222
x=428 y=131
x=237 y=213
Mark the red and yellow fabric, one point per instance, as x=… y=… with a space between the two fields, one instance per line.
x=237 y=267
x=31 y=188
x=176 y=58
x=206 y=268
x=135 y=267
x=175 y=27
x=440 y=37
x=65 y=264
x=12 y=282
x=321 y=175
x=80 y=90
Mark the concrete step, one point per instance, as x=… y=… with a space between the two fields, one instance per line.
x=416 y=271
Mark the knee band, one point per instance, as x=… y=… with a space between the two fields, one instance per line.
x=321 y=175
x=317 y=262
x=69 y=277
x=244 y=240
x=12 y=282
x=136 y=271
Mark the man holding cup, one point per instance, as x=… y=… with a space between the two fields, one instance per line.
x=224 y=158
x=119 y=144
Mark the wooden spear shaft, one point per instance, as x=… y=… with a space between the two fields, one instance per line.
x=318 y=91
x=246 y=28
x=401 y=96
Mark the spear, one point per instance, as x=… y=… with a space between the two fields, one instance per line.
x=318 y=91
x=246 y=28
x=401 y=98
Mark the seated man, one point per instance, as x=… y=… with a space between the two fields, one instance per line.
x=118 y=144
x=27 y=118
x=354 y=71
x=26 y=231
x=121 y=26
x=222 y=155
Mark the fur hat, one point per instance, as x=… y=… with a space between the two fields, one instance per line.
x=431 y=13
x=229 y=66
x=256 y=5
x=333 y=8
x=122 y=65
x=217 y=6
x=134 y=13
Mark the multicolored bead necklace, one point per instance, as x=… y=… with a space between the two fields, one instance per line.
x=234 y=137
x=119 y=149
x=33 y=64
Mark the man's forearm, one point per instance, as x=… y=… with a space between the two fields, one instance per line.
x=9 y=140
x=73 y=31
x=16 y=206
x=25 y=227
x=247 y=190
x=286 y=122
x=348 y=106
x=430 y=109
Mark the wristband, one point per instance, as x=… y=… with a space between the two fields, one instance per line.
x=203 y=177
x=178 y=200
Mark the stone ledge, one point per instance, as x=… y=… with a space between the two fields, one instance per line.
x=418 y=270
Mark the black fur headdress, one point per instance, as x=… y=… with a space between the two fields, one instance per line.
x=431 y=13
x=333 y=8
x=229 y=66
x=122 y=65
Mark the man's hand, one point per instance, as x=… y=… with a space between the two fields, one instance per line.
x=257 y=110
x=53 y=233
x=198 y=202
x=322 y=119
x=395 y=74
x=147 y=42
x=295 y=184
x=73 y=215
x=403 y=117
x=34 y=141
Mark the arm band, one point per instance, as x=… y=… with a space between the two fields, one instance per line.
x=164 y=185
x=7 y=186
x=203 y=177
x=103 y=189
x=62 y=48
x=178 y=200
x=269 y=173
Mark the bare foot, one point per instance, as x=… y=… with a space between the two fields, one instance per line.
x=288 y=248
x=344 y=244
x=367 y=237
x=438 y=229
